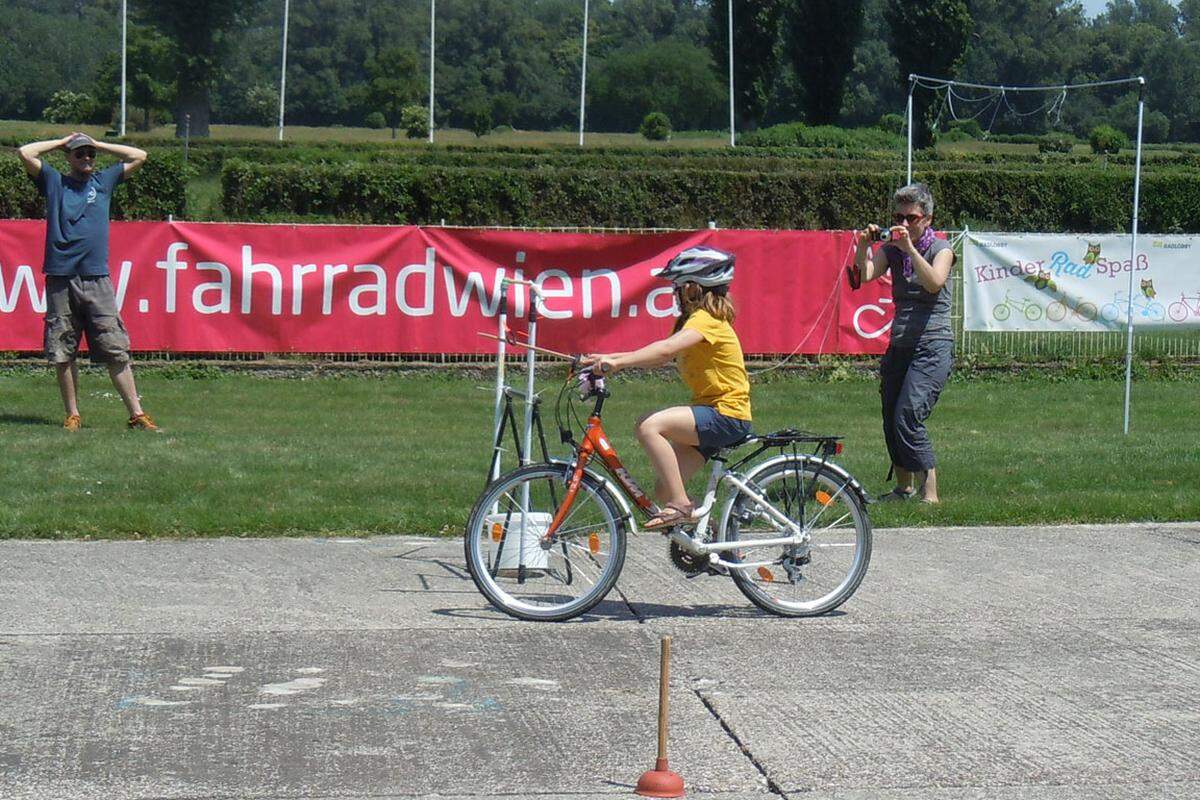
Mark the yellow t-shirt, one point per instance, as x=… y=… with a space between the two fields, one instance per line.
x=714 y=368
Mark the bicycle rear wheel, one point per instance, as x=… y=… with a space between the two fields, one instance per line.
x=521 y=577
x=799 y=580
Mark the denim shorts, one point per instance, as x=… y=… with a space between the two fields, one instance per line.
x=715 y=430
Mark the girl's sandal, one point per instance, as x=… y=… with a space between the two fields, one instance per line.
x=669 y=516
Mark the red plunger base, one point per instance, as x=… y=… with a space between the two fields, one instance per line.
x=660 y=782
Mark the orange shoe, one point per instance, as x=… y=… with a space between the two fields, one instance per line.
x=142 y=422
x=72 y=423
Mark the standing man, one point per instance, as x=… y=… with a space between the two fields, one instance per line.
x=79 y=293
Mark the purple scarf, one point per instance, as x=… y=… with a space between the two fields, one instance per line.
x=921 y=245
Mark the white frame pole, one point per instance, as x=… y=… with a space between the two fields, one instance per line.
x=124 y=44
x=501 y=342
x=432 y=52
x=912 y=85
x=283 y=67
x=1137 y=185
x=732 y=139
x=583 y=77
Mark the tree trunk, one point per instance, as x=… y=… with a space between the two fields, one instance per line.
x=194 y=103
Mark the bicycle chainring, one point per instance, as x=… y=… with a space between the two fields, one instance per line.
x=689 y=564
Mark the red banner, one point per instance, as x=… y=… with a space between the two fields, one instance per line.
x=203 y=287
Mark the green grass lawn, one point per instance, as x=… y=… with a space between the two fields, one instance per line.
x=245 y=454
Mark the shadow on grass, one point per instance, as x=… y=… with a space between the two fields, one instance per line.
x=27 y=419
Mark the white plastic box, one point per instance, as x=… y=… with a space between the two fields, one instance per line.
x=527 y=527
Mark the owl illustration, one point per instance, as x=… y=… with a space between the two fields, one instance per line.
x=1042 y=281
x=1093 y=252
x=1148 y=288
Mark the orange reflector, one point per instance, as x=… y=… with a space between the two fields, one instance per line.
x=594 y=543
x=765 y=574
x=824 y=498
x=497 y=531
x=837 y=449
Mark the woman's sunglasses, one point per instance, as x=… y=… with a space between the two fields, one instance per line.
x=911 y=219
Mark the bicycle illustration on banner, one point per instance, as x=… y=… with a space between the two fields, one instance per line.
x=1186 y=306
x=1144 y=307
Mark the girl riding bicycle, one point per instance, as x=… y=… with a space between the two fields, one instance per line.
x=680 y=439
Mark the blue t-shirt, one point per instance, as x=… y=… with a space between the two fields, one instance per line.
x=77 y=220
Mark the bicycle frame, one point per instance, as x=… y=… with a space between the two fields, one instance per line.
x=596 y=443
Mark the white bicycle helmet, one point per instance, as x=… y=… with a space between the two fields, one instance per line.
x=706 y=266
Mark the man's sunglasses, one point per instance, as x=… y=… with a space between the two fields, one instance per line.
x=84 y=152
x=911 y=219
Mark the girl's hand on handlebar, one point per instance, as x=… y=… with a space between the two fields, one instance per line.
x=600 y=363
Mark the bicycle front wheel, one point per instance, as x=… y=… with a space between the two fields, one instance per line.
x=807 y=579
x=522 y=576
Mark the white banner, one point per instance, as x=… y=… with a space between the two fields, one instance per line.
x=1078 y=282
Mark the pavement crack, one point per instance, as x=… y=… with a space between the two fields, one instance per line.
x=772 y=786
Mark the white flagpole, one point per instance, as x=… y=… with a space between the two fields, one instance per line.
x=432 y=51
x=124 y=43
x=283 y=68
x=731 y=123
x=583 y=79
x=912 y=85
x=1137 y=185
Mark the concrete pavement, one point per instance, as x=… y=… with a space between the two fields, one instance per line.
x=1029 y=663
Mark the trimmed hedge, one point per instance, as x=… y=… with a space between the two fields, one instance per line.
x=156 y=190
x=1092 y=200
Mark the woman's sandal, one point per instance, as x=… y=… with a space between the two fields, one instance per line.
x=897 y=495
x=669 y=516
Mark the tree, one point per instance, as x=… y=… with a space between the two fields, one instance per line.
x=821 y=35
x=199 y=30
x=148 y=67
x=755 y=52
x=674 y=77
x=929 y=37
x=394 y=83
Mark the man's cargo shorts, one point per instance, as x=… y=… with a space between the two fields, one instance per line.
x=76 y=305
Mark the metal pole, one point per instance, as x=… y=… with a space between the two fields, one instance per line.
x=1137 y=185
x=501 y=341
x=912 y=85
x=732 y=142
x=283 y=67
x=432 y=51
x=583 y=79
x=124 y=42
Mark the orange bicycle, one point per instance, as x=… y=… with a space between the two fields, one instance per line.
x=547 y=541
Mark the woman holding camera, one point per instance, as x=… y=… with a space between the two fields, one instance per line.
x=917 y=362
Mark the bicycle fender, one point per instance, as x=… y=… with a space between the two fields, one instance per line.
x=817 y=464
x=614 y=494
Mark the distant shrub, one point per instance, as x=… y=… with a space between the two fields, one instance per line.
x=414 y=119
x=478 y=114
x=968 y=126
x=262 y=104
x=1056 y=142
x=892 y=123
x=67 y=106
x=1107 y=139
x=797 y=134
x=656 y=127
x=375 y=120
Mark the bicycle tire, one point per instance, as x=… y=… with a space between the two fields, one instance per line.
x=817 y=486
x=598 y=558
